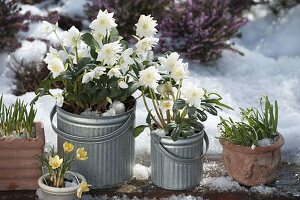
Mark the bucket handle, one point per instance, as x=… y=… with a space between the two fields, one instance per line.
x=177 y=159
x=100 y=139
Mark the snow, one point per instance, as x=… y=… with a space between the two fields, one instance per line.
x=36 y=31
x=3 y=61
x=34 y=10
x=31 y=51
x=72 y=8
x=221 y=184
x=141 y=172
x=264 y=190
x=274 y=37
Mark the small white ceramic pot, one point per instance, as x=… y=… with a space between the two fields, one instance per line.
x=46 y=192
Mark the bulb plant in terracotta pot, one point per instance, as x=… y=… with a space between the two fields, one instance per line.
x=21 y=140
x=60 y=183
x=176 y=113
x=251 y=147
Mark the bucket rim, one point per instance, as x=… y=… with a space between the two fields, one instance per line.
x=97 y=117
x=181 y=141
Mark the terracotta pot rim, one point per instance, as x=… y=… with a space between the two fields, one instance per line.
x=246 y=149
x=30 y=143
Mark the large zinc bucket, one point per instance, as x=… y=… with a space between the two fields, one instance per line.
x=109 y=142
x=177 y=165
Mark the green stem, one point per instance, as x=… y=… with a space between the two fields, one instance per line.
x=157 y=110
x=184 y=112
x=178 y=90
x=168 y=116
x=65 y=50
x=148 y=110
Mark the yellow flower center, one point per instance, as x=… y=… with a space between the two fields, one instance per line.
x=56 y=164
x=102 y=22
x=55 y=68
x=145 y=26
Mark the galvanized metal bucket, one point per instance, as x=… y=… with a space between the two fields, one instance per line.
x=109 y=142
x=177 y=165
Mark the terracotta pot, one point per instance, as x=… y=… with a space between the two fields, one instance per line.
x=20 y=168
x=46 y=192
x=252 y=167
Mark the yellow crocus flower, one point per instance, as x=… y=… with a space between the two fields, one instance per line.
x=81 y=154
x=83 y=187
x=68 y=147
x=55 y=161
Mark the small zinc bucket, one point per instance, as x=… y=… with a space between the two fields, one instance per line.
x=177 y=165
x=108 y=140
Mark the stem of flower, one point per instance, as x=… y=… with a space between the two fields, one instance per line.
x=168 y=116
x=161 y=118
x=65 y=50
x=157 y=103
x=178 y=90
x=148 y=110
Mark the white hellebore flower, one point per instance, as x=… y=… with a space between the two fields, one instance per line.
x=89 y=76
x=110 y=53
x=149 y=77
x=83 y=51
x=103 y=23
x=146 y=26
x=180 y=72
x=126 y=60
x=114 y=72
x=98 y=37
x=170 y=62
x=253 y=146
x=122 y=84
x=145 y=45
x=57 y=94
x=48 y=28
x=71 y=37
x=99 y=71
x=53 y=53
x=193 y=94
x=166 y=105
x=56 y=66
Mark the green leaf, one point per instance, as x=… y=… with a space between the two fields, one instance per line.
x=175 y=134
x=201 y=115
x=83 y=62
x=209 y=108
x=114 y=35
x=192 y=111
x=132 y=88
x=138 y=130
x=92 y=43
x=179 y=104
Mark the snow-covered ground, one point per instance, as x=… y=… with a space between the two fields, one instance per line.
x=271 y=66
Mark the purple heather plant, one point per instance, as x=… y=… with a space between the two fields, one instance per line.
x=11 y=22
x=199 y=29
x=127 y=12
